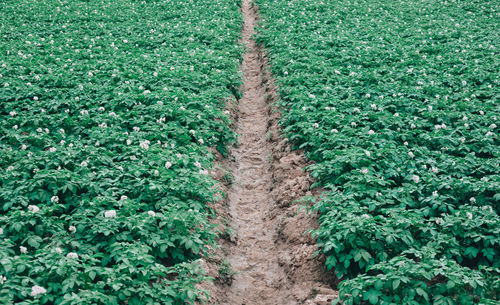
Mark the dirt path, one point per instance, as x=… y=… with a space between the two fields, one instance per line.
x=271 y=257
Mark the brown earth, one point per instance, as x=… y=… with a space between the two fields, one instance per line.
x=265 y=257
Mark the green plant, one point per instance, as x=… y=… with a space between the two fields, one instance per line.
x=395 y=102
x=225 y=273
x=108 y=111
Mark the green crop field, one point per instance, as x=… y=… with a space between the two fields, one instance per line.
x=397 y=103
x=111 y=112
x=107 y=111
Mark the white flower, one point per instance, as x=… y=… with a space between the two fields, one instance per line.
x=123 y=197
x=54 y=199
x=373 y=106
x=151 y=213
x=353 y=124
x=23 y=250
x=52 y=149
x=439 y=221
x=144 y=144
x=72 y=255
x=481 y=112
x=334 y=131
x=413 y=126
x=472 y=199
x=365 y=216
x=304 y=108
x=101 y=109
x=84 y=164
x=411 y=154
x=39 y=129
x=57 y=250
x=434 y=169
x=469 y=215
x=405 y=143
x=72 y=229
x=464 y=83
x=204 y=172
x=35 y=98
x=489 y=133
x=367 y=153
x=435 y=193
x=364 y=171
x=15 y=127
x=33 y=208
x=493 y=126
x=356 y=110
x=110 y=214
x=136 y=129
x=2 y=279
x=129 y=141
x=12 y=113
x=315 y=125
x=197 y=164
x=182 y=108
x=36 y=290
x=156 y=172
x=201 y=141
x=415 y=178
x=168 y=165
x=103 y=125
x=10 y=168
x=192 y=132
x=112 y=114
x=371 y=132
x=24 y=147
x=1 y=231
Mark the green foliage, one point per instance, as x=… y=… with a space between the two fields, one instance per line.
x=107 y=113
x=396 y=102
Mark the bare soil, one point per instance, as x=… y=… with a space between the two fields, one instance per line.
x=270 y=257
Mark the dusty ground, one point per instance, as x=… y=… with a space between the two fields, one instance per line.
x=266 y=248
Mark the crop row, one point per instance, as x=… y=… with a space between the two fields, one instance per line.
x=107 y=113
x=396 y=102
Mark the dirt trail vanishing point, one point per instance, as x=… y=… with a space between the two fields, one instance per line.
x=271 y=256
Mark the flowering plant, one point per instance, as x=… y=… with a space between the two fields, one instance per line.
x=414 y=83
x=100 y=197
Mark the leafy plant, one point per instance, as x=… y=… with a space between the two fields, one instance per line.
x=108 y=112
x=397 y=105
